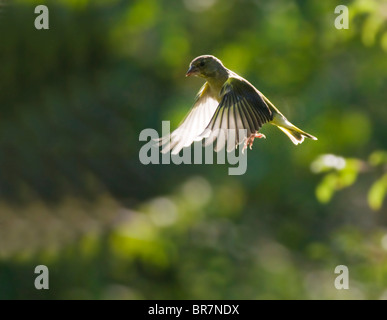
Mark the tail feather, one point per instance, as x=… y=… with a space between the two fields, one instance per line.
x=296 y=135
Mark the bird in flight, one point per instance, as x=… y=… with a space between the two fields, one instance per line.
x=225 y=104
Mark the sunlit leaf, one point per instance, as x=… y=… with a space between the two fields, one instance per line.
x=383 y=41
x=326 y=188
x=349 y=174
x=378 y=157
x=344 y=173
x=377 y=193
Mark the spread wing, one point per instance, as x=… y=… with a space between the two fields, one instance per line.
x=242 y=107
x=193 y=125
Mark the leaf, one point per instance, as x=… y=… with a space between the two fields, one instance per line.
x=349 y=174
x=377 y=193
x=383 y=41
x=371 y=27
x=377 y=158
x=326 y=188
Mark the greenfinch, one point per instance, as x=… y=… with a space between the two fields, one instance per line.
x=226 y=101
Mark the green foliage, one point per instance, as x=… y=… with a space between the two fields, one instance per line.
x=74 y=196
x=377 y=193
x=378 y=190
x=341 y=173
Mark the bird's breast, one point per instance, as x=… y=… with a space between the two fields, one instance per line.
x=216 y=90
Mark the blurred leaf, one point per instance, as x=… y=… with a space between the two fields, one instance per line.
x=326 y=188
x=377 y=158
x=377 y=193
x=371 y=26
x=383 y=41
x=349 y=174
x=342 y=174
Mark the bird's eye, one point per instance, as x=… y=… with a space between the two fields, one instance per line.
x=201 y=64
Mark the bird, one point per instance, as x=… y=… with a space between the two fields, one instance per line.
x=226 y=101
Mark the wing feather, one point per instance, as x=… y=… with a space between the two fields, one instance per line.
x=241 y=107
x=193 y=124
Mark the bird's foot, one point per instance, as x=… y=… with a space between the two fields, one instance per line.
x=250 y=140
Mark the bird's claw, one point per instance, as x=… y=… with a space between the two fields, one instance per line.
x=250 y=140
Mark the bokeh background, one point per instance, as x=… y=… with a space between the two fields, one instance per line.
x=75 y=197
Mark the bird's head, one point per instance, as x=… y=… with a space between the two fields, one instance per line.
x=205 y=66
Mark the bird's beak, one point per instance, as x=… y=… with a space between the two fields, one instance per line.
x=191 y=71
